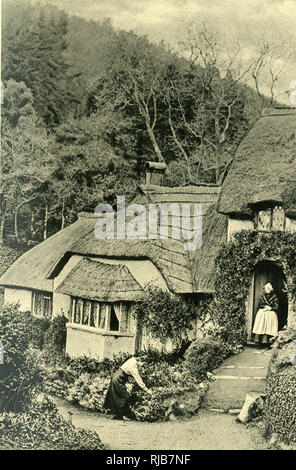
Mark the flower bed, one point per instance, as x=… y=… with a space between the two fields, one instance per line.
x=85 y=381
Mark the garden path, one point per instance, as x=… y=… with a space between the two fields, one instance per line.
x=238 y=375
x=206 y=431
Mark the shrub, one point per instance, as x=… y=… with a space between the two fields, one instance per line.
x=38 y=331
x=19 y=374
x=55 y=336
x=167 y=316
x=204 y=355
x=42 y=428
x=280 y=406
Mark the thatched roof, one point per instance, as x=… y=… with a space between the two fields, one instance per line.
x=264 y=164
x=33 y=268
x=202 y=261
x=184 y=271
x=91 y=279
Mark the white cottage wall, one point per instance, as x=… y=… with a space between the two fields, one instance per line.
x=290 y=225
x=21 y=296
x=237 y=225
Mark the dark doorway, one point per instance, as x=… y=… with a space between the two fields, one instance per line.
x=265 y=272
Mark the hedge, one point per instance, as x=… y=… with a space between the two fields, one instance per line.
x=280 y=406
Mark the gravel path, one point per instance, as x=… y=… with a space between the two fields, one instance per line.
x=207 y=431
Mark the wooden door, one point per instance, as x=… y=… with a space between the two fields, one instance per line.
x=269 y=272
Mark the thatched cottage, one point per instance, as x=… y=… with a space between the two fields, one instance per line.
x=259 y=194
x=96 y=282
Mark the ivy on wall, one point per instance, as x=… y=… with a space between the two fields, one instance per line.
x=235 y=266
x=169 y=316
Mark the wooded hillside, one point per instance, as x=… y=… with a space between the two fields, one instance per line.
x=85 y=106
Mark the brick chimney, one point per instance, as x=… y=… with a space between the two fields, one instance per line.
x=154 y=173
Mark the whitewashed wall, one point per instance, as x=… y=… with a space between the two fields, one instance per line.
x=236 y=225
x=290 y=225
x=21 y=296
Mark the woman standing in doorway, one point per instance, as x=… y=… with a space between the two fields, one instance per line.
x=266 y=321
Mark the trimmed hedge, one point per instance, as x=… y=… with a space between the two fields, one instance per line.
x=19 y=374
x=40 y=427
x=204 y=355
x=280 y=406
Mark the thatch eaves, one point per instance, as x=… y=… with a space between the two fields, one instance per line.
x=103 y=282
x=184 y=271
x=32 y=270
x=263 y=166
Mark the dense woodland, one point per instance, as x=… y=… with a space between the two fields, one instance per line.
x=85 y=106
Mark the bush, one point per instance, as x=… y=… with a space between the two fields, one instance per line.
x=55 y=336
x=38 y=332
x=84 y=381
x=280 y=406
x=203 y=356
x=19 y=374
x=42 y=428
x=166 y=316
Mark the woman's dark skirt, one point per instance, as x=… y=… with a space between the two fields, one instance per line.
x=117 y=395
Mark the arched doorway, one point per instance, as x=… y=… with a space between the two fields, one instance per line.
x=264 y=272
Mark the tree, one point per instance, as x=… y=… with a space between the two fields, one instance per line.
x=26 y=160
x=33 y=52
x=219 y=101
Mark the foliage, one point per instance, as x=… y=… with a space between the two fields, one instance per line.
x=55 y=336
x=40 y=427
x=7 y=257
x=84 y=382
x=33 y=52
x=40 y=327
x=166 y=315
x=19 y=374
x=204 y=355
x=74 y=135
x=235 y=266
x=280 y=406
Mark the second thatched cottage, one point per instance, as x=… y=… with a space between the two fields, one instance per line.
x=96 y=282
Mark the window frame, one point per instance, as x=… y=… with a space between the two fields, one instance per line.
x=125 y=309
x=41 y=295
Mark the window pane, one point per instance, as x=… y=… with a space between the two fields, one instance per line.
x=124 y=326
x=278 y=218
x=92 y=317
x=264 y=220
x=103 y=315
x=86 y=312
x=78 y=310
x=38 y=304
x=114 y=322
x=47 y=307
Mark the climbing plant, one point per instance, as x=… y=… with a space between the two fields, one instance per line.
x=169 y=316
x=235 y=266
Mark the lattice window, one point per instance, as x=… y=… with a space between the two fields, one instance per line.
x=42 y=304
x=264 y=220
x=102 y=315
x=271 y=219
x=278 y=218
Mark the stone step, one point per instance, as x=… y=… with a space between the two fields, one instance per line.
x=238 y=375
x=231 y=392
